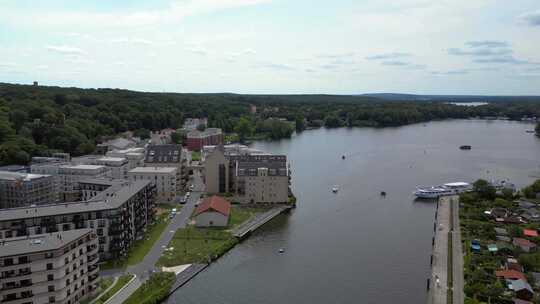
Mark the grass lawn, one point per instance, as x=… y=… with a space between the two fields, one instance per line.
x=102 y=286
x=195 y=156
x=154 y=290
x=242 y=214
x=195 y=245
x=141 y=248
x=123 y=280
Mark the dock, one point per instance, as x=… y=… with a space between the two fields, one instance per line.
x=185 y=276
x=253 y=224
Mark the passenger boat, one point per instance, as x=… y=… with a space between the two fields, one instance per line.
x=438 y=191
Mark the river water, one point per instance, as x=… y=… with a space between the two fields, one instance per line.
x=356 y=246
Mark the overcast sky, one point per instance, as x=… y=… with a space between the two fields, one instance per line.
x=275 y=46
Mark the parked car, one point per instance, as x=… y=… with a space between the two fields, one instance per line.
x=183 y=200
x=191 y=187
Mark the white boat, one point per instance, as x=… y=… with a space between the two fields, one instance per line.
x=335 y=189
x=438 y=191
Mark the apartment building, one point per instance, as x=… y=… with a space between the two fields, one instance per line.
x=168 y=156
x=118 y=215
x=70 y=175
x=56 y=267
x=118 y=166
x=25 y=189
x=196 y=139
x=135 y=156
x=166 y=180
x=257 y=178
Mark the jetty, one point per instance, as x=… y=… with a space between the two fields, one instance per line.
x=254 y=223
x=185 y=276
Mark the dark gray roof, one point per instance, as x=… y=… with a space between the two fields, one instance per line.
x=40 y=242
x=248 y=164
x=500 y=231
x=163 y=154
x=520 y=285
x=112 y=198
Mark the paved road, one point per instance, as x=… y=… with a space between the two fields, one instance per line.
x=457 y=255
x=147 y=266
x=439 y=271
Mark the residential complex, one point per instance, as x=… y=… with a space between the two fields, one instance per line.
x=58 y=267
x=118 y=215
x=118 y=166
x=196 y=139
x=165 y=179
x=25 y=189
x=135 y=156
x=70 y=175
x=250 y=178
x=168 y=156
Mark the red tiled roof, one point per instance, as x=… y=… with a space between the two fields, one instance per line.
x=510 y=274
x=214 y=203
x=523 y=242
x=530 y=232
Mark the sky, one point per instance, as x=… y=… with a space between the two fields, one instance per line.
x=485 y=47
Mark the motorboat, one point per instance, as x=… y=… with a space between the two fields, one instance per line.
x=335 y=189
x=465 y=147
x=443 y=190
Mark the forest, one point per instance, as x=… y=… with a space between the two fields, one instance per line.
x=39 y=120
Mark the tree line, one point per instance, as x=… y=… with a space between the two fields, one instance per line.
x=38 y=120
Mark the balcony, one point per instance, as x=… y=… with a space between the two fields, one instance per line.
x=91 y=249
x=92 y=259
x=92 y=269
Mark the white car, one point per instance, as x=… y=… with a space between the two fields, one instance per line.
x=191 y=187
x=188 y=194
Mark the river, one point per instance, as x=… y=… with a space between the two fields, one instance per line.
x=356 y=246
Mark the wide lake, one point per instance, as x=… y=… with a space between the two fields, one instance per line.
x=356 y=246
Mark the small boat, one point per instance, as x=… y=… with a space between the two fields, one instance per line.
x=530 y=131
x=383 y=193
x=343 y=157
x=465 y=147
x=281 y=250
x=335 y=189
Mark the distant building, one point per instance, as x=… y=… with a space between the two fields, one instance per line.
x=170 y=155
x=524 y=244
x=196 y=140
x=521 y=288
x=250 y=178
x=165 y=179
x=213 y=211
x=60 y=267
x=118 y=215
x=70 y=176
x=118 y=166
x=25 y=189
x=252 y=109
x=193 y=123
x=119 y=143
x=135 y=156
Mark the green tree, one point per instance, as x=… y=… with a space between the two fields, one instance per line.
x=244 y=128
x=178 y=137
x=18 y=118
x=332 y=121
x=484 y=189
x=299 y=123
x=142 y=133
x=201 y=127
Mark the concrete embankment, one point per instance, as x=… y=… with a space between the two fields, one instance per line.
x=437 y=282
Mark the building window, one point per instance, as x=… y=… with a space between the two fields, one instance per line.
x=50 y=277
x=8 y=262
x=49 y=266
x=51 y=288
x=52 y=299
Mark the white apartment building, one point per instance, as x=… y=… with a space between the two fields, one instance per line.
x=71 y=175
x=166 y=180
x=58 y=267
x=135 y=156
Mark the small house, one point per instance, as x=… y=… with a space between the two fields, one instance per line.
x=524 y=244
x=500 y=231
x=503 y=238
x=530 y=232
x=526 y=204
x=505 y=248
x=214 y=211
x=492 y=248
x=512 y=264
x=522 y=289
x=510 y=275
x=475 y=246
x=499 y=212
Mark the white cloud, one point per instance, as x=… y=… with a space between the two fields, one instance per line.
x=65 y=50
x=7 y=64
x=199 y=50
x=531 y=18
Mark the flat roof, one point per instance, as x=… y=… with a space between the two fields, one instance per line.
x=111 y=198
x=84 y=167
x=154 y=170
x=41 y=242
x=14 y=176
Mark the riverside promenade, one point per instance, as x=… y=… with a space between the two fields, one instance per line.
x=446 y=287
x=439 y=260
x=251 y=225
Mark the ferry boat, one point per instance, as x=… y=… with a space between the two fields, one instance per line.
x=438 y=191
